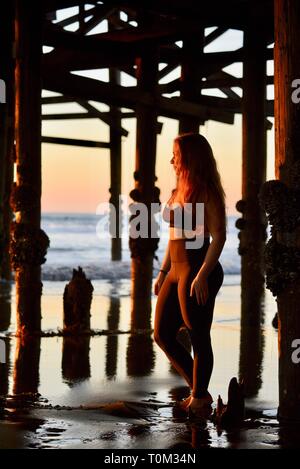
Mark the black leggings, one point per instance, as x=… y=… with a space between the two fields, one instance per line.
x=175 y=308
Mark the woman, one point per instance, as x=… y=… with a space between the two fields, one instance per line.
x=189 y=279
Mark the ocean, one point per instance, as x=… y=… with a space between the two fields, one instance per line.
x=81 y=240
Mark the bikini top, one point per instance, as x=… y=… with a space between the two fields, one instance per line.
x=185 y=218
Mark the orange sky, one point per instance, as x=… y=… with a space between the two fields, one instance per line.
x=77 y=179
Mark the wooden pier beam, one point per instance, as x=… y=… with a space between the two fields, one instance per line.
x=115 y=164
x=287 y=166
x=190 y=79
x=6 y=133
x=253 y=222
x=28 y=242
x=143 y=248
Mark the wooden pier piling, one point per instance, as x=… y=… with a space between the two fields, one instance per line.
x=115 y=135
x=6 y=134
x=286 y=237
x=190 y=79
x=253 y=223
x=28 y=242
x=143 y=249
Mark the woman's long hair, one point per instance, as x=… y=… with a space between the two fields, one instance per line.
x=199 y=177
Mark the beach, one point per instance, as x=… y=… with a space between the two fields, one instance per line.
x=116 y=389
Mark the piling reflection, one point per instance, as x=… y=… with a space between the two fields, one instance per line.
x=195 y=436
x=289 y=436
x=252 y=344
x=5 y=318
x=5 y=369
x=5 y=306
x=140 y=353
x=26 y=365
x=113 y=319
x=141 y=293
x=76 y=359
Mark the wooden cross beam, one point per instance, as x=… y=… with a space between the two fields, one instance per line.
x=214 y=35
x=88 y=89
x=68 y=116
x=92 y=111
x=75 y=142
x=74 y=18
x=228 y=81
x=82 y=115
x=101 y=12
x=104 y=117
x=224 y=14
x=76 y=52
x=53 y=5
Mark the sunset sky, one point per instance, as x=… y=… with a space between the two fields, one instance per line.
x=77 y=179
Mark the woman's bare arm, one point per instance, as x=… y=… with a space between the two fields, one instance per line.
x=216 y=223
x=166 y=264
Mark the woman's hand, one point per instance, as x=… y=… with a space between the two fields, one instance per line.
x=200 y=288
x=159 y=281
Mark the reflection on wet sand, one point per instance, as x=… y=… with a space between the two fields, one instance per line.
x=252 y=345
x=5 y=306
x=26 y=365
x=140 y=355
x=4 y=369
x=113 y=319
x=144 y=389
x=5 y=317
x=75 y=359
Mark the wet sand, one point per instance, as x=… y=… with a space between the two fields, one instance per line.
x=116 y=390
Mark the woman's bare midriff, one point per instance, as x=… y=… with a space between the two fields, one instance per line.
x=178 y=233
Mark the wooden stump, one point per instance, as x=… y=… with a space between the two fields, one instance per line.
x=233 y=413
x=78 y=296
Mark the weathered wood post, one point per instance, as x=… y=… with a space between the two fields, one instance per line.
x=77 y=300
x=191 y=77
x=281 y=200
x=6 y=132
x=115 y=165
x=145 y=192
x=253 y=222
x=28 y=242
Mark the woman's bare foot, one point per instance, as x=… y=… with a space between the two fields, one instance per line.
x=200 y=407
x=185 y=403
